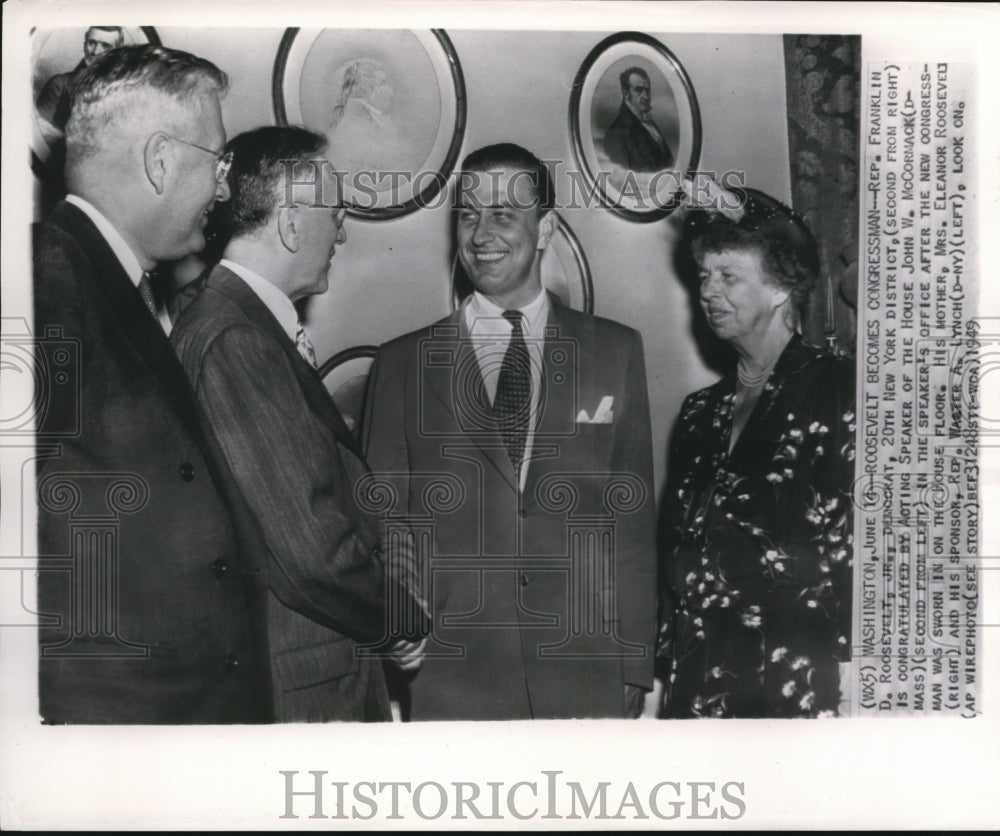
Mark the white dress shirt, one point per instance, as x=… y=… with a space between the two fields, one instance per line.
x=490 y=334
x=123 y=252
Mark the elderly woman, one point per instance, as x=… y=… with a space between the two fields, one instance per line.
x=757 y=515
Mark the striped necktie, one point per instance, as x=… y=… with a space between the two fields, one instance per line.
x=304 y=346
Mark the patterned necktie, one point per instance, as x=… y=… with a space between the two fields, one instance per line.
x=512 y=404
x=305 y=347
x=146 y=292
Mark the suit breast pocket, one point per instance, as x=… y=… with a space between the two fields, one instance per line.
x=594 y=442
x=304 y=667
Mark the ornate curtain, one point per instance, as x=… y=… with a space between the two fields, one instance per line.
x=822 y=77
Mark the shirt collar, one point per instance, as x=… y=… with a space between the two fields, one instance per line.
x=484 y=317
x=123 y=252
x=274 y=300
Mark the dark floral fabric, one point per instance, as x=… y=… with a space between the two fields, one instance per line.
x=822 y=82
x=757 y=545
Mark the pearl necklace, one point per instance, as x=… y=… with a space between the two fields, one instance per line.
x=753 y=382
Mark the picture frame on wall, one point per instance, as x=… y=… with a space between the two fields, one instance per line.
x=564 y=267
x=392 y=103
x=635 y=124
x=56 y=54
x=345 y=376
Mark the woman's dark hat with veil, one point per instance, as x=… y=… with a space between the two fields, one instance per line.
x=755 y=213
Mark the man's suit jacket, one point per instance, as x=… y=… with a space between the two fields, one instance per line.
x=543 y=603
x=629 y=144
x=53 y=102
x=149 y=610
x=298 y=467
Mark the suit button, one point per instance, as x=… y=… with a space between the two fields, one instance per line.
x=232 y=662
x=187 y=471
x=523 y=512
x=377 y=551
x=220 y=567
x=525 y=580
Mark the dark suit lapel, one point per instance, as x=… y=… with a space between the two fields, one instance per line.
x=643 y=143
x=316 y=395
x=567 y=356
x=144 y=332
x=451 y=371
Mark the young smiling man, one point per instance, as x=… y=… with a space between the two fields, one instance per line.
x=515 y=433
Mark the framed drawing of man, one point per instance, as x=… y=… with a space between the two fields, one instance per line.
x=635 y=124
x=345 y=376
x=57 y=56
x=392 y=103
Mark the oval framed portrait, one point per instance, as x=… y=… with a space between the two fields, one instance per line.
x=635 y=124
x=564 y=267
x=392 y=103
x=56 y=54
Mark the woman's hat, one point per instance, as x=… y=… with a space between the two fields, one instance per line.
x=753 y=212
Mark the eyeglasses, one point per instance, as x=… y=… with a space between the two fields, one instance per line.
x=223 y=162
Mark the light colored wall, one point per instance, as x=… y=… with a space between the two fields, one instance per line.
x=392 y=276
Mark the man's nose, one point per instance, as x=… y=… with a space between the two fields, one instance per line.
x=222 y=190
x=481 y=234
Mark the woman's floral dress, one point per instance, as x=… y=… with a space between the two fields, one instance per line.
x=758 y=544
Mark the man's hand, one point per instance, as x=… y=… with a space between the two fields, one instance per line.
x=408 y=656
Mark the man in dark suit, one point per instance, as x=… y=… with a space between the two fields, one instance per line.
x=146 y=591
x=634 y=141
x=299 y=467
x=517 y=433
x=53 y=100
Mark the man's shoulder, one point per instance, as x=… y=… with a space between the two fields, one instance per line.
x=446 y=328
x=624 y=119
x=64 y=241
x=601 y=327
x=63 y=224
x=58 y=82
x=211 y=313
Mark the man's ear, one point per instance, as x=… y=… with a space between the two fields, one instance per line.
x=547 y=228
x=288 y=227
x=155 y=159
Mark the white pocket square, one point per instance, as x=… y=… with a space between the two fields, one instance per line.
x=602 y=415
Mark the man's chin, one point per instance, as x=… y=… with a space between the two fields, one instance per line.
x=193 y=246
